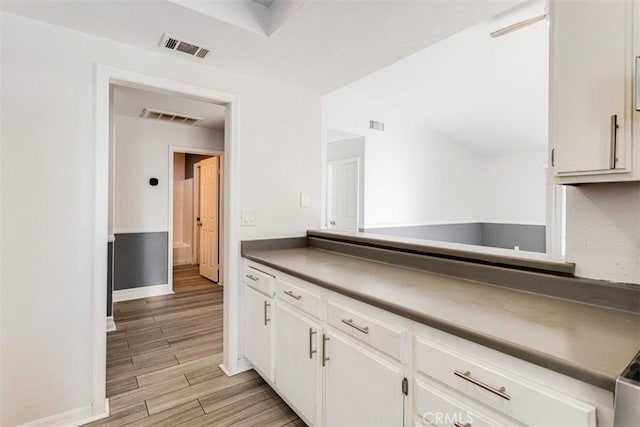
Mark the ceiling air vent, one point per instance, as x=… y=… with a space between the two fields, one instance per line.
x=191 y=49
x=149 y=113
x=376 y=125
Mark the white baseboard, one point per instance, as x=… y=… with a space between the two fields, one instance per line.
x=111 y=325
x=142 y=292
x=72 y=418
x=243 y=365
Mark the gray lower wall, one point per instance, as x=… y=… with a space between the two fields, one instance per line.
x=468 y=233
x=526 y=237
x=140 y=259
x=109 y=279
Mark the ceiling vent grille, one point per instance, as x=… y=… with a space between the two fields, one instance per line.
x=149 y=113
x=375 y=125
x=190 y=48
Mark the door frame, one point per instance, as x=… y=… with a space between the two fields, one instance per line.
x=189 y=150
x=328 y=203
x=105 y=76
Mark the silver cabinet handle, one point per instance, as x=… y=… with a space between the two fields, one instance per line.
x=252 y=277
x=614 y=141
x=325 y=359
x=311 y=350
x=266 y=309
x=292 y=295
x=497 y=391
x=458 y=424
x=350 y=322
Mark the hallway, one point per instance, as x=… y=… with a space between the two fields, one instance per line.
x=162 y=364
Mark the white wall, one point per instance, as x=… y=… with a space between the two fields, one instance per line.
x=603 y=231
x=413 y=176
x=514 y=187
x=142 y=152
x=47 y=114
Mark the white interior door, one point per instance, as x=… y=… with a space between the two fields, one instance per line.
x=209 y=200
x=343 y=195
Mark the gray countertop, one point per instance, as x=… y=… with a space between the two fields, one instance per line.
x=590 y=343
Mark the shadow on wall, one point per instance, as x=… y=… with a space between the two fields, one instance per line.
x=527 y=237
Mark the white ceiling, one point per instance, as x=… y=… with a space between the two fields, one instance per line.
x=487 y=94
x=321 y=46
x=130 y=102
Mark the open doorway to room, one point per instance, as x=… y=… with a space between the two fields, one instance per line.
x=197 y=212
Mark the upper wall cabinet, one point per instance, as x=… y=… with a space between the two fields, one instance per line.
x=592 y=117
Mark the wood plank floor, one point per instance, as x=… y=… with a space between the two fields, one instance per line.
x=162 y=364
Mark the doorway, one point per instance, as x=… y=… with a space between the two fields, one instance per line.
x=105 y=77
x=197 y=208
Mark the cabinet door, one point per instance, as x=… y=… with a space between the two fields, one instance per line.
x=258 y=331
x=298 y=361
x=591 y=57
x=361 y=388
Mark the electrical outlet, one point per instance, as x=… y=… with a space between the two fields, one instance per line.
x=305 y=200
x=248 y=217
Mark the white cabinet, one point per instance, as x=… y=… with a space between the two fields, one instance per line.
x=591 y=91
x=361 y=387
x=258 y=331
x=298 y=371
x=340 y=362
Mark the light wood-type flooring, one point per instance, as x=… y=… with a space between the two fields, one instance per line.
x=162 y=364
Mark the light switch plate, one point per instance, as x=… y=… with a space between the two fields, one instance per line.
x=305 y=200
x=248 y=217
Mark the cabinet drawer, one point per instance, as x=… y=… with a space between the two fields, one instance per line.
x=516 y=397
x=258 y=280
x=298 y=297
x=434 y=407
x=381 y=336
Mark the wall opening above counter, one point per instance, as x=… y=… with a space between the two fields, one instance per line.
x=450 y=143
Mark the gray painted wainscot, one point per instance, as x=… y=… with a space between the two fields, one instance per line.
x=140 y=259
x=527 y=237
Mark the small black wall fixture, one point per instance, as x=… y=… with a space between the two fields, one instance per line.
x=153 y=182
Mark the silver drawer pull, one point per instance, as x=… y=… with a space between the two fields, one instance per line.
x=350 y=322
x=458 y=424
x=252 y=277
x=497 y=391
x=292 y=295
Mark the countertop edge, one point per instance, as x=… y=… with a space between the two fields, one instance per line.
x=432 y=248
x=544 y=360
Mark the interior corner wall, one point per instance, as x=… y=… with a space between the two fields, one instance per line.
x=48 y=310
x=406 y=165
x=603 y=231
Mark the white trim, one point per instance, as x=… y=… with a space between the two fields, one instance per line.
x=74 y=417
x=134 y=230
x=142 y=292
x=106 y=75
x=243 y=366
x=111 y=324
x=111 y=238
x=186 y=150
